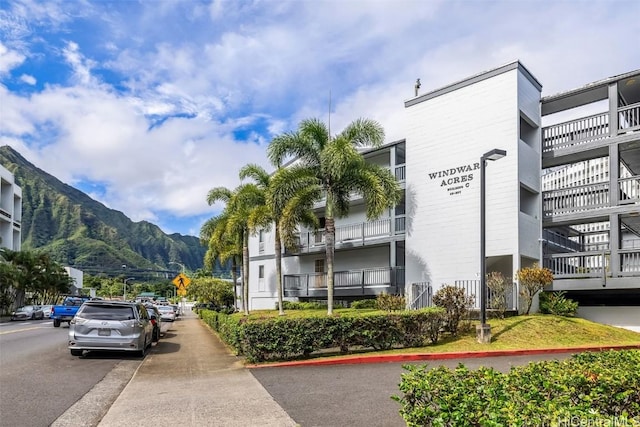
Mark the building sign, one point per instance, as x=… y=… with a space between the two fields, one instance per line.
x=455 y=180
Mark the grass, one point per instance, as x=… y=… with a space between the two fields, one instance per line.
x=537 y=331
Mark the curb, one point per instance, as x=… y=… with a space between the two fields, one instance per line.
x=352 y=360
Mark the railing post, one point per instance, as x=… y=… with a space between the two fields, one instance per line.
x=362 y=280
x=613 y=112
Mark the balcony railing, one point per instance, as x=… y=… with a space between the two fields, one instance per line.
x=575 y=132
x=357 y=281
x=629 y=189
x=579 y=265
x=358 y=234
x=589 y=197
x=588 y=130
x=575 y=199
x=5 y=213
x=629 y=117
x=401 y=172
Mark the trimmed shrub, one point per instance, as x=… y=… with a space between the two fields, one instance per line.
x=556 y=303
x=294 y=305
x=364 y=304
x=284 y=338
x=591 y=388
x=456 y=305
x=389 y=302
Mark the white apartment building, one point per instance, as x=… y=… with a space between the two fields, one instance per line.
x=547 y=201
x=10 y=211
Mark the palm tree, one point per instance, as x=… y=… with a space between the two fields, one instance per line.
x=222 y=247
x=340 y=171
x=239 y=204
x=285 y=205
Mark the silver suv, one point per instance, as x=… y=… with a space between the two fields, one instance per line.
x=110 y=325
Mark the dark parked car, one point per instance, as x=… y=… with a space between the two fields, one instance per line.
x=27 y=312
x=111 y=325
x=154 y=315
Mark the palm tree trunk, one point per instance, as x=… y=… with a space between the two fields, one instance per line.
x=234 y=277
x=245 y=273
x=278 y=249
x=329 y=241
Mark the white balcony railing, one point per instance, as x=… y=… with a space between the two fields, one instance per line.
x=587 y=130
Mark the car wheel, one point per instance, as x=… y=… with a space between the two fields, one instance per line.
x=33 y=316
x=76 y=352
x=56 y=323
x=142 y=353
x=156 y=334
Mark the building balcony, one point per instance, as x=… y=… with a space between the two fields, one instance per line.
x=352 y=235
x=590 y=200
x=351 y=283
x=587 y=133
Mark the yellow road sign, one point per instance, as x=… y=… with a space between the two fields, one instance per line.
x=182 y=292
x=181 y=281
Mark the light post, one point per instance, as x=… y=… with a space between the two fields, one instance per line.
x=483 y=331
x=124 y=288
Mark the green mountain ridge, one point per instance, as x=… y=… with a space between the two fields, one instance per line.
x=81 y=232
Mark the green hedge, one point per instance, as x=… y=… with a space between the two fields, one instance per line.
x=591 y=388
x=287 y=338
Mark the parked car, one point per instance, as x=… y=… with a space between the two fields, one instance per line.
x=110 y=325
x=46 y=310
x=156 y=319
x=176 y=308
x=27 y=312
x=166 y=313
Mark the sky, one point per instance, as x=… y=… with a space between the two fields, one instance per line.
x=147 y=105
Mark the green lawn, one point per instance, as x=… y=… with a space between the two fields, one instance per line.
x=536 y=331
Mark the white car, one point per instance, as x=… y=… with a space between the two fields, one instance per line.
x=167 y=313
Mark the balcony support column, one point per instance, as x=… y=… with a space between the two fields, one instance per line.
x=392 y=264
x=613 y=109
x=614 y=175
x=614 y=245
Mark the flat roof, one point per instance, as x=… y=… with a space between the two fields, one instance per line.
x=592 y=92
x=515 y=65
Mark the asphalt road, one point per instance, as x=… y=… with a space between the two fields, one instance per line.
x=355 y=395
x=39 y=379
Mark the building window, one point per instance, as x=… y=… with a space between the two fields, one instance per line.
x=261 y=281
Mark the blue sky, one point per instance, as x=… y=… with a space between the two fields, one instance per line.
x=146 y=105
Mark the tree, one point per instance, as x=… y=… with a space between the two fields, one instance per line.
x=533 y=280
x=239 y=204
x=287 y=203
x=339 y=171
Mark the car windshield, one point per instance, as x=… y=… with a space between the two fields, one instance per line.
x=165 y=308
x=106 y=312
x=25 y=308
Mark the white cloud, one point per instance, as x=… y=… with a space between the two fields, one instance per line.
x=9 y=59
x=30 y=80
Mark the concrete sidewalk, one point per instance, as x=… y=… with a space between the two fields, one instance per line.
x=191 y=379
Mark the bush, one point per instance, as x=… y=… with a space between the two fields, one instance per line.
x=364 y=304
x=498 y=285
x=532 y=280
x=284 y=338
x=556 y=303
x=456 y=305
x=388 y=302
x=294 y=305
x=593 y=388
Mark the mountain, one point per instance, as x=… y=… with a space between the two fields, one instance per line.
x=83 y=233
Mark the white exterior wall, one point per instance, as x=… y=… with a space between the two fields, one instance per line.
x=452 y=131
x=10 y=211
x=76 y=275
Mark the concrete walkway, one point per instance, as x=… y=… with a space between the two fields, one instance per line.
x=191 y=379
